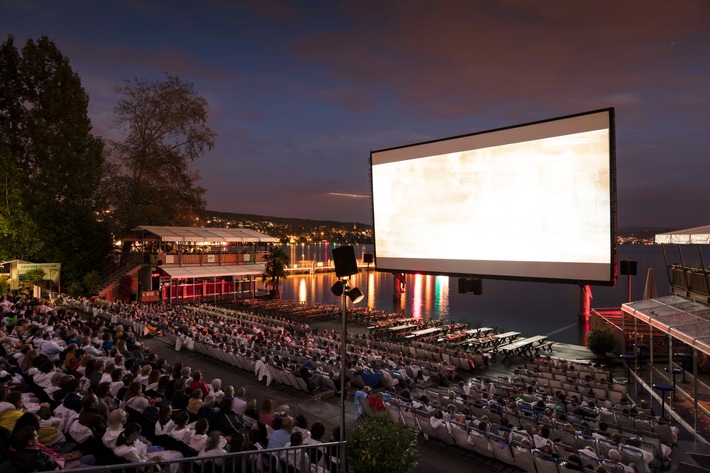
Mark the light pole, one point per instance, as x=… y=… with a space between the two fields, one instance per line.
x=345 y=266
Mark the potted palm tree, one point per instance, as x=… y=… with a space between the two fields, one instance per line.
x=276 y=260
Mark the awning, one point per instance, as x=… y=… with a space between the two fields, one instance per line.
x=195 y=234
x=695 y=236
x=684 y=319
x=213 y=270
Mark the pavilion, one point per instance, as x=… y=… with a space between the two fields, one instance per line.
x=191 y=264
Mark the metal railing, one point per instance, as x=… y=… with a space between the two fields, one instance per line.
x=318 y=458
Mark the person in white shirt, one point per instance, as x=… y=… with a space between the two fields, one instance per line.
x=130 y=448
x=48 y=347
x=239 y=405
x=214 y=446
x=116 y=420
x=180 y=431
x=296 y=457
x=217 y=392
x=165 y=422
x=199 y=436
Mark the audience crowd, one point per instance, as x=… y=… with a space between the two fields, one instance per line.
x=75 y=382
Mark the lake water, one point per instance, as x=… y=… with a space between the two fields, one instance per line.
x=529 y=307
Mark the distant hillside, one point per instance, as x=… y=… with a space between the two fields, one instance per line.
x=211 y=214
x=295 y=230
x=303 y=230
x=643 y=232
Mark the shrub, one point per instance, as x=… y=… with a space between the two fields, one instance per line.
x=379 y=445
x=601 y=340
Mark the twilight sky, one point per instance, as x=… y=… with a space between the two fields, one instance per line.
x=300 y=92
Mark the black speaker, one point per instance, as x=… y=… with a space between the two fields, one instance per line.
x=627 y=267
x=368 y=258
x=474 y=285
x=477 y=287
x=344 y=260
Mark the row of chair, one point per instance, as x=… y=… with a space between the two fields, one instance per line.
x=497 y=444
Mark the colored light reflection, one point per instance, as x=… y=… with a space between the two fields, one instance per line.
x=417 y=288
x=302 y=291
x=371 y=289
x=441 y=297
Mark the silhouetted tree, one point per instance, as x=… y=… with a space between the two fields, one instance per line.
x=51 y=164
x=165 y=126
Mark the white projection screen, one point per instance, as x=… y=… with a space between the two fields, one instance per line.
x=535 y=201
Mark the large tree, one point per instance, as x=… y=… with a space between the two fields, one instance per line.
x=52 y=164
x=165 y=126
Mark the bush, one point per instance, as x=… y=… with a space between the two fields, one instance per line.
x=379 y=445
x=600 y=340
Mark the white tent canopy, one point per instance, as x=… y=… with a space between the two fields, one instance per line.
x=689 y=236
x=213 y=271
x=198 y=234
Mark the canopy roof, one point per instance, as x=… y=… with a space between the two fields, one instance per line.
x=213 y=270
x=695 y=236
x=195 y=234
x=684 y=319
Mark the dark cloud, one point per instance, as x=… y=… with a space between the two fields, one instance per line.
x=301 y=92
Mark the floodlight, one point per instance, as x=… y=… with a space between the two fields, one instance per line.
x=355 y=295
x=338 y=288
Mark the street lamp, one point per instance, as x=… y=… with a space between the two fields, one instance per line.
x=345 y=266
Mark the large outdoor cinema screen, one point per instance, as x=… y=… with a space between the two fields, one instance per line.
x=532 y=201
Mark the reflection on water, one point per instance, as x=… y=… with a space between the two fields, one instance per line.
x=529 y=307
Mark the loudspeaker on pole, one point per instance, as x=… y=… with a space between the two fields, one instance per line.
x=344 y=261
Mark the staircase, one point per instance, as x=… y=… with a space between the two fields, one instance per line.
x=128 y=267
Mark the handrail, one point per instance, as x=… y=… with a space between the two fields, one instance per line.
x=134 y=260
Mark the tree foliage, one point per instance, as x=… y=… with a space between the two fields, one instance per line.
x=35 y=276
x=165 y=127
x=51 y=165
x=380 y=445
x=276 y=261
x=600 y=340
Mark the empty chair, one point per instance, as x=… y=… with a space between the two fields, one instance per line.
x=479 y=441
x=544 y=463
x=607 y=416
x=393 y=413
x=625 y=421
x=409 y=419
x=426 y=428
x=664 y=433
x=443 y=434
x=636 y=456
x=501 y=449
x=586 y=441
x=589 y=459
x=613 y=467
x=460 y=435
x=604 y=445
